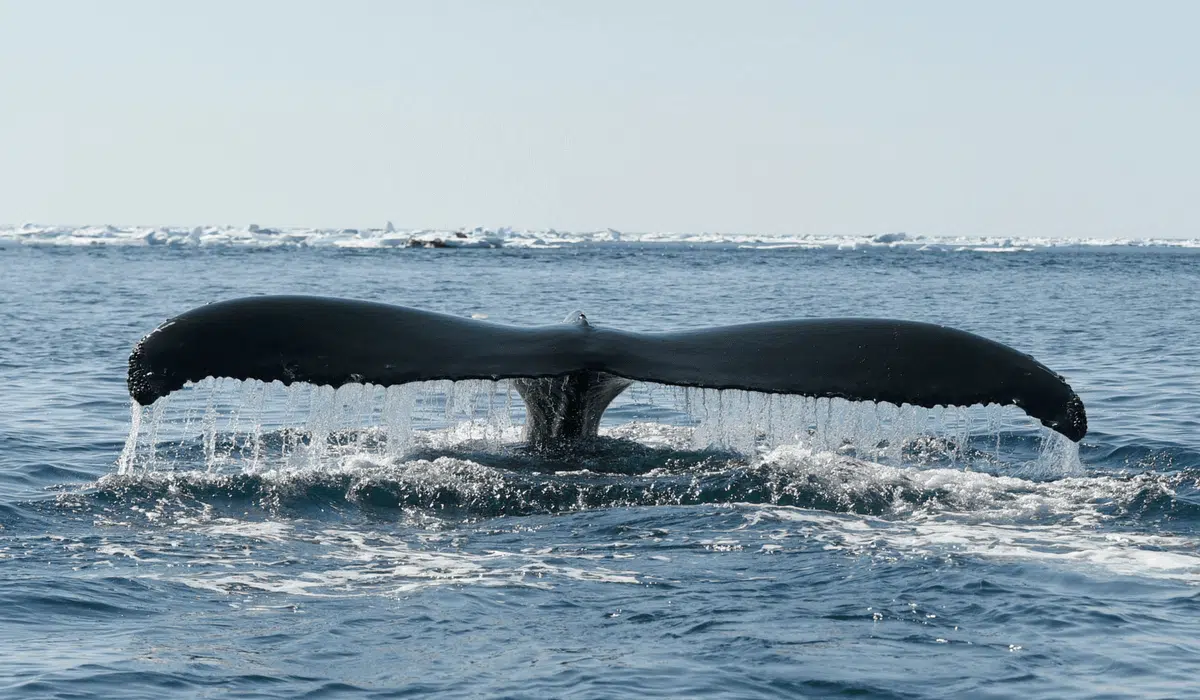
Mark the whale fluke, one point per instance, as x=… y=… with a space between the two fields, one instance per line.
x=569 y=372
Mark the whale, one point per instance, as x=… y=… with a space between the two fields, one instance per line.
x=568 y=373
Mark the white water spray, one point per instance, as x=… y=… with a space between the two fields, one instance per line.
x=248 y=426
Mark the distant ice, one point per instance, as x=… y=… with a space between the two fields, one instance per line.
x=256 y=236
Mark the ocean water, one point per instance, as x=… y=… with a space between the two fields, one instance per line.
x=248 y=540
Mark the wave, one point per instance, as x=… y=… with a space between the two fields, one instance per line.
x=368 y=525
x=470 y=485
x=254 y=236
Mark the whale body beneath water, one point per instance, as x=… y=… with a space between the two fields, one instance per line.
x=568 y=373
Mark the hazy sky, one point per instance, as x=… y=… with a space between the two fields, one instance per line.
x=839 y=117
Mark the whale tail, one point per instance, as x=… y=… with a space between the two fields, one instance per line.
x=568 y=373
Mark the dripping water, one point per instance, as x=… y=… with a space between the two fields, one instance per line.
x=249 y=426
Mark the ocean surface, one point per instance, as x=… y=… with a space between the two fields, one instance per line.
x=256 y=541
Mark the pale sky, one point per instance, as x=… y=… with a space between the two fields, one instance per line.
x=942 y=118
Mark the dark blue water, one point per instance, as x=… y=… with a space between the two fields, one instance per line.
x=965 y=555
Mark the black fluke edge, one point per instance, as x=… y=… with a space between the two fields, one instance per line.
x=571 y=371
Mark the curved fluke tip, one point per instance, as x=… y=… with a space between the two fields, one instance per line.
x=1071 y=421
